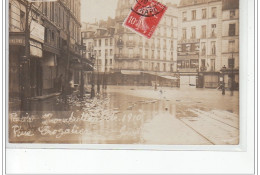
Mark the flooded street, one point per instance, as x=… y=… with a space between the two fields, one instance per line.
x=132 y=115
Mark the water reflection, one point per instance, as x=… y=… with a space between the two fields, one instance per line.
x=113 y=118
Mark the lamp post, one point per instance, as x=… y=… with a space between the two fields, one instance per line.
x=92 y=93
x=232 y=75
x=223 y=79
x=82 y=72
x=98 y=81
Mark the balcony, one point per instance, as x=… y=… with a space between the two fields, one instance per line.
x=130 y=44
x=127 y=57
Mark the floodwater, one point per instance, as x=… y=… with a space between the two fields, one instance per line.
x=131 y=115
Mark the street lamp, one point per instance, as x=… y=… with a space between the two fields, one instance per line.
x=223 y=79
x=232 y=75
x=92 y=78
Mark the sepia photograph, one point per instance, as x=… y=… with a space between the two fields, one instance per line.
x=139 y=72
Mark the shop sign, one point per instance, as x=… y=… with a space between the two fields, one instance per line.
x=37 y=31
x=35 y=49
x=17 y=40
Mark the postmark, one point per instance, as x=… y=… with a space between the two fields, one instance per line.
x=145 y=16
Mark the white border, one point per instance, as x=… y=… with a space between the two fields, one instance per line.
x=136 y=161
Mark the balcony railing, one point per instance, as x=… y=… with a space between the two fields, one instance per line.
x=125 y=56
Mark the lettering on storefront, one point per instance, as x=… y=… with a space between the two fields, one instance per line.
x=17 y=41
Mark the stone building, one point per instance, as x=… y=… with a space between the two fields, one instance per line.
x=54 y=45
x=199 y=40
x=230 y=41
x=136 y=55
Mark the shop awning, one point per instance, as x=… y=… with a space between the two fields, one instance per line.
x=169 y=77
x=129 y=72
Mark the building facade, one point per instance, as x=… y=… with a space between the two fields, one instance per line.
x=54 y=45
x=135 y=53
x=199 y=40
x=230 y=41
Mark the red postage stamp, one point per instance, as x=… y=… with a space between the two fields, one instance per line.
x=144 y=17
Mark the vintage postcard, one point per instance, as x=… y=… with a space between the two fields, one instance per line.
x=150 y=72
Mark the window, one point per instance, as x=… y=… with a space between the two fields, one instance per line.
x=164 y=67
x=172 y=33
x=231 y=45
x=131 y=53
x=193 y=14
x=193 y=32
x=232 y=30
x=152 y=66
x=213 y=47
x=52 y=36
x=171 y=55
x=231 y=63
x=106 y=53
x=212 y=64
x=164 y=43
x=111 y=41
x=184 y=16
x=99 y=41
x=184 y=33
x=171 y=44
x=183 y=47
x=203 y=63
x=192 y=47
x=213 y=30
x=141 y=52
x=111 y=61
x=95 y=43
x=130 y=38
x=214 y=12
x=152 y=53
x=203 y=49
x=158 y=67
x=46 y=35
x=146 y=53
x=111 y=52
x=204 y=13
x=165 y=31
x=22 y=22
x=194 y=63
x=171 y=22
x=159 y=54
x=164 y=55
x=106 y=42
x=203 y=31
x=232 y=14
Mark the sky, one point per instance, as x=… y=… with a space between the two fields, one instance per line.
x=92 y=10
